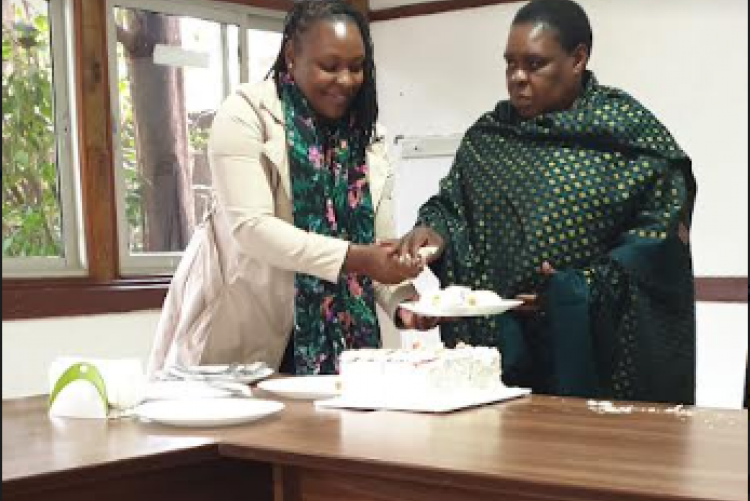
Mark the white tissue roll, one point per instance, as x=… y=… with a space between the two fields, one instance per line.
x=124 y=380
x=79 y=399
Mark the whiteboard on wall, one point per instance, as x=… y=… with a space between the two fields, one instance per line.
x=419 y=169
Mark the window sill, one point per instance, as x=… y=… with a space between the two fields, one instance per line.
x=26 y=299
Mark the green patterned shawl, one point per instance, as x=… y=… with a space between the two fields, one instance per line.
x=603 y=193
x=330 y=196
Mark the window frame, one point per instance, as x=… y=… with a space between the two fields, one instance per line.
x=244 y=18
x=101 y=288
x=73 y=261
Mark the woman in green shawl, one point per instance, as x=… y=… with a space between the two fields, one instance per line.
x=573 y=196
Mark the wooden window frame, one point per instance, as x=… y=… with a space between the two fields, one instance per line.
x=434 y=7
x=104 y=290
x=68 y=261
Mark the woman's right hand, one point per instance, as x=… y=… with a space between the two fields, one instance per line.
x=420 y=237
x=379 y=262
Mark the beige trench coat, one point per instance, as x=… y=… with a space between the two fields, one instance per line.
x=232 y=295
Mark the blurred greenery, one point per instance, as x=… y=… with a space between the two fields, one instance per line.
x=32 y=218
x=31 y=207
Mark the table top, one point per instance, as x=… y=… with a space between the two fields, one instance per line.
x=568 y=448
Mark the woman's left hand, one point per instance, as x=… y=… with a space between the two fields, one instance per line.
x=412 y=321
x=531 y=301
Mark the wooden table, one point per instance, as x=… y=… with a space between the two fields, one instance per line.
x=533 y=449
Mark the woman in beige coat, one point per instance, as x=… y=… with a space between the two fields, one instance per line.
x=289 y=265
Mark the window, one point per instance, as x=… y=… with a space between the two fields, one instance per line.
x=85 y=237
x=41 y=222
x=169 y=73
x=263 y=47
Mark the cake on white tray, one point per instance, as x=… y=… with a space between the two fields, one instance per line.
x=419 y=374
x=459 y=297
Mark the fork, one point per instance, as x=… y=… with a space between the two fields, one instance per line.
x=233 y=391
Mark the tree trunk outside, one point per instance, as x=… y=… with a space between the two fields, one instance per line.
x=161 y=132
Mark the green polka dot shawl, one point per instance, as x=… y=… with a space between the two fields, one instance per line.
x=602 y=192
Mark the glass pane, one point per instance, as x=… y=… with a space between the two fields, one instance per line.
x=263 y=48
x=31 y=204
x=171 y=79
x=233 y=49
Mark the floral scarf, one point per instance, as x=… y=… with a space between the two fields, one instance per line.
x=331 y=196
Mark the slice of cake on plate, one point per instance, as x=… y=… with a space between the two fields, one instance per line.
x=458 y=297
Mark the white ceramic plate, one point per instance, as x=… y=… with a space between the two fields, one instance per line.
x=429 y=310
x=199 y=413
x=218 y=373
x=303 y=387
x=180 y=390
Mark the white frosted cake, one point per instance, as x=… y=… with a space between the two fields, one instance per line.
x=420 y=373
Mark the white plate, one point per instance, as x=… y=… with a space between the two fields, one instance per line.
x=447 y=404
x=429 y=310
x=303 y=387
x=179 y=390
x=217 y=373
x=197 y=413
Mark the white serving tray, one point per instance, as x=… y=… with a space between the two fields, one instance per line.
x=435 y=406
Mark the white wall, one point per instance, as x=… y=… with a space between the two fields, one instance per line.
x=721 y=351
x=29 y=346
x=685 y=59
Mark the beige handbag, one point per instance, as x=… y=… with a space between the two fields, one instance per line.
x=192 y=298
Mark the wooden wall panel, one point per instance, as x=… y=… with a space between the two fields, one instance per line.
x=427 y=8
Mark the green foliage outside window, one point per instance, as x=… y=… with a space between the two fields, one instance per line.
x=31 y=208
x=32 y=213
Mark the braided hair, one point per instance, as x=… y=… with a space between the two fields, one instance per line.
x=301 y=18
